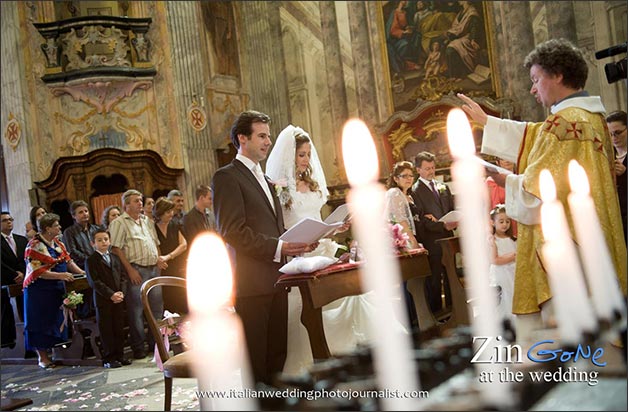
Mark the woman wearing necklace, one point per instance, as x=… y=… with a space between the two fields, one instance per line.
x=172 y=246
x=48 y=266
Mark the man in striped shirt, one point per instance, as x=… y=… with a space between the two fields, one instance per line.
x=134 y=241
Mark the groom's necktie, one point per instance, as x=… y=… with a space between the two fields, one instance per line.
x=257 y=171
x=434 y=192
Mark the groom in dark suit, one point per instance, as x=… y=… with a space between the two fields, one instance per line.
x=434 y=200
x=250 y=220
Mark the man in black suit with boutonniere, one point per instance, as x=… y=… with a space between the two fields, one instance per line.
x=434 y=200
x=249 y=218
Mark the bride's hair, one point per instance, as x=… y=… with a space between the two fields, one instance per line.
x=281 y=166
x=306 y=176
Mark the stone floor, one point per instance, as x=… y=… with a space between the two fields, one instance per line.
x=136 y=387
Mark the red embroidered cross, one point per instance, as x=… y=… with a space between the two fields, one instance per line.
x=576 y=132
x=552 y=122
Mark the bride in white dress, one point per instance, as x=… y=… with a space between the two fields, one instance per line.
x=293 y=162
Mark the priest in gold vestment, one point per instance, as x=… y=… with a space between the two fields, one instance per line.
x=575 y=129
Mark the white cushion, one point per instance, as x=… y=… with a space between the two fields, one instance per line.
x=306 y=264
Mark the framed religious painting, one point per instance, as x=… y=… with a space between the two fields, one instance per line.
x=433 y=48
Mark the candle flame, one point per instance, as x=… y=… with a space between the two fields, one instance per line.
x=461 y=143
x=359 y=153
x=547 y=186
x=209 y=274
x=578 y=178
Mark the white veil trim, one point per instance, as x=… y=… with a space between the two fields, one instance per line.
x=281 y=161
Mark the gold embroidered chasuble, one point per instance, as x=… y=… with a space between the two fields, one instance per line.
x=571 y=133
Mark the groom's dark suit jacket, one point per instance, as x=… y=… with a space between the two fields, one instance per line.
x=249 y=226
x=427 y=204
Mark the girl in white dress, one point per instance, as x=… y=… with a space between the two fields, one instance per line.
x=294 y=166
x=503 y=253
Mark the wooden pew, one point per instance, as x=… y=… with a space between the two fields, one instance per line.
x=336 y=281
x=70 y=353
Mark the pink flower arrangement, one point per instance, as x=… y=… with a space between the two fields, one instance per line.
x=401 y=240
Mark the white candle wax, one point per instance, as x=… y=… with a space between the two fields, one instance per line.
x=599 y=268
x=471 y=199
x=219 y=348
x=573 y=310
x=394 y=365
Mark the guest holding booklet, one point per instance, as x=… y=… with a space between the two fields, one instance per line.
x=295 y=167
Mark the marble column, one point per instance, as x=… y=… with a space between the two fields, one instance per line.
x=199 y=158
x=561 y=20
x=516 y=41
x=263 y=55
x=15 y=103
x=362 y=62
x=334 y=71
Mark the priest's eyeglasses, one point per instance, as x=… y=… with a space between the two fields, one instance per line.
x=617 y=133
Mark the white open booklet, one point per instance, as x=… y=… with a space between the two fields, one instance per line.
x=453 y=216
x=309 y=230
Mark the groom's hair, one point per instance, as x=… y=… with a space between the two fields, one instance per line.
x=243 y=122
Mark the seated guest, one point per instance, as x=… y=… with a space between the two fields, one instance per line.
x=49 y=265
x=200 y=218
x=110 y=213
x=106 y=276
x=172 y=246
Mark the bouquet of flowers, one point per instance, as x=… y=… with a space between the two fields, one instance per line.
x=72 y=299
x=401 y=240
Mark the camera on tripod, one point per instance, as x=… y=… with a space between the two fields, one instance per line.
x=616 y=70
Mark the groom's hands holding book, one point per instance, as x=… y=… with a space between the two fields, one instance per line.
x=297 y=248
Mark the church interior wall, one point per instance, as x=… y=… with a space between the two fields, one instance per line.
x=226 y=57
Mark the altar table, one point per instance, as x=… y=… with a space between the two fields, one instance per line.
x=339 y=280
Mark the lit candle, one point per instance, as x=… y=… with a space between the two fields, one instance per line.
x=392 y=350
x=218 y=345
x=599 y=269
x=471 y=198
x=573 y=311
